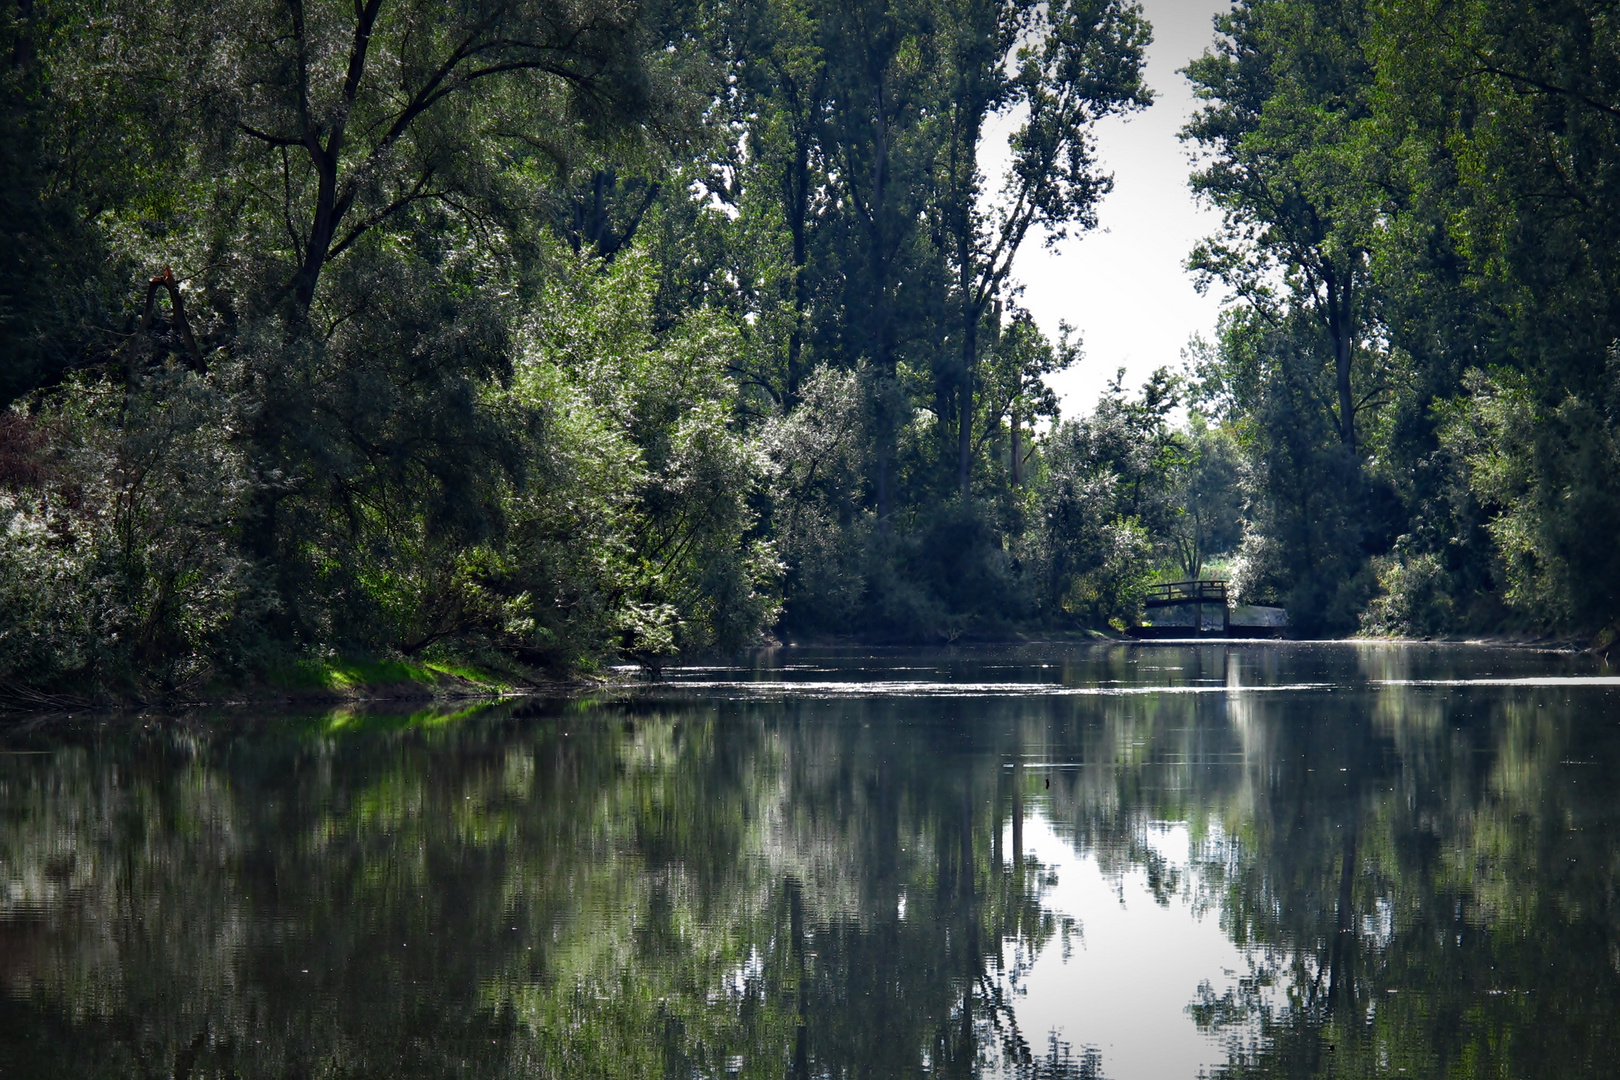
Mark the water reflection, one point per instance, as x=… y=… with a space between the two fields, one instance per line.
x=1365 y=869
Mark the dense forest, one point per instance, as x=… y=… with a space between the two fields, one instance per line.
x=534 y=334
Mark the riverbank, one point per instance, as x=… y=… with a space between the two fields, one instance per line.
x=342 y=681
x=1605 y=645
x=337 y=681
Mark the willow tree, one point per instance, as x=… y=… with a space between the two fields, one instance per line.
x=345 y=208
x=345 y=116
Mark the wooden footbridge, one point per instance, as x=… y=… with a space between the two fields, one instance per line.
x=1211 y=612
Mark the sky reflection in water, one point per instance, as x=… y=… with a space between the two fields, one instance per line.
x=1036 y=861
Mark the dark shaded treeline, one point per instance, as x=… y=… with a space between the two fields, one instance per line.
x=539 y=333
x=1423 y=876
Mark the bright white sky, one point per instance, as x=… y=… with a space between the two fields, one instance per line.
x=1122 y=286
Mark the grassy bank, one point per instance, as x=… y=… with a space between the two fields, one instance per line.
x=335 y=680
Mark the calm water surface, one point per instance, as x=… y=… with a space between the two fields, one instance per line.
x=1144 y=861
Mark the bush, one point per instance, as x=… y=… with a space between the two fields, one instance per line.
x=121 y=565
x=1414 y=598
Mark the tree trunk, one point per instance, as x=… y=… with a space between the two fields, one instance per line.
x=964 y=421
x=1017 y=446
x=798 y=199
x=883 y=331
x=1347 y=409
x=1339 y=330
x=322 y=229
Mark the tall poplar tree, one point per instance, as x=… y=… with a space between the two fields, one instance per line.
x=1291 y=163
x=1061 y=67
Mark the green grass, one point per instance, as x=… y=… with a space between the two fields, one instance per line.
x=341 y=674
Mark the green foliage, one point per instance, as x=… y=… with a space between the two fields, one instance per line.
x=378 y=411
x=1208 y=494
x=1548 y=478
x=1109 y=501
x=1414 y=597
x=52 y=265
x=1507 y=112
x=1419 y=228
x=121 y=566
x=1313 y=516
x=510 y=335
x=821 y=526
x=656 y=473
x=554 y=333
x=338 y=674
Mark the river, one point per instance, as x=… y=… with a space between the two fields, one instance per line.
x=1133 y=861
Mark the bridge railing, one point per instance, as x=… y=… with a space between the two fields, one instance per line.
x=1212 y=591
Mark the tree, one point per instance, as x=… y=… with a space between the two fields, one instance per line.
x=884 y=60
x=1312 y=517
x=360 y=113
x=1299 y=164
x=1108 y=501
x=1293 y=164
x=1013 y=386
x=1511 y=114
x=1208 y=520
x=785 y=70
x=1061 y=67
x=51 y=273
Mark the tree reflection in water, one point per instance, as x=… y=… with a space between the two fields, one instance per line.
x=714 y=883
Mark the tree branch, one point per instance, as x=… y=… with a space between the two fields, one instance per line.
x=416 y=194
x=265 y=136
x=1487 y=68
